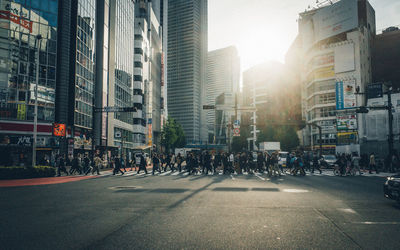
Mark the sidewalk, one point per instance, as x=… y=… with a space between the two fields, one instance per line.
x=55 y=179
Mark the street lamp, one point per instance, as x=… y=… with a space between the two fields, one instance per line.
x=37 y=47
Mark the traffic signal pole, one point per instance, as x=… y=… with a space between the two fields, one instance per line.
x=389 y=108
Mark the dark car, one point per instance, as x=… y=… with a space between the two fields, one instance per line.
x=391 y=188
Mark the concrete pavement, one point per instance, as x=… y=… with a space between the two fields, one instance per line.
x=176 y=211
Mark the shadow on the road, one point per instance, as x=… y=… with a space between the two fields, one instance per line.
x=230 y=189
x=169 y=190
x=265 y=189
x=176 y=204
x=139 y=190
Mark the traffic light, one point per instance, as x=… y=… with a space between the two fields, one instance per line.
x=362 y=110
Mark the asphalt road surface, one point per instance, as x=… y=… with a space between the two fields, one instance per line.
x=176 y=211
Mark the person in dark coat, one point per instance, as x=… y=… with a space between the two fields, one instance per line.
x=156 y=163
x=76 y=165
x=61 y=165
x=142 y=164
x=117 y=166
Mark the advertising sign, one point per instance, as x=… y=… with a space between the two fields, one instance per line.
x=345 y=94
x=322 y=73
x=344 y=58
x=59 y=129
x=346 y=122
x=374 y=90
x=335 y=19
x=21 y=112
x=346 y=138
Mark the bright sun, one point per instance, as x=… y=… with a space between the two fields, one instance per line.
x=257 y=47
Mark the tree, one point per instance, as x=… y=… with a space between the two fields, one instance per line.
x=172 y=135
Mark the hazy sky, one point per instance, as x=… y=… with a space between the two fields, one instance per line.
x=263 y=30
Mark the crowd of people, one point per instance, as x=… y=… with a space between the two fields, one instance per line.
x=205 y=162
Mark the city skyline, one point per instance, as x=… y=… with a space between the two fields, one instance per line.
x=278 y=18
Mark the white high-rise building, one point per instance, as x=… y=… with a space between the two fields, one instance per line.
x=223 y=76
x=186 y=58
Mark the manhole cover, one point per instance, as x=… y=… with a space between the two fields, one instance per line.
x=124 y=187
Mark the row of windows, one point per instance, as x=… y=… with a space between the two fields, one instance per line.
x=321 y=99
x=321 y=113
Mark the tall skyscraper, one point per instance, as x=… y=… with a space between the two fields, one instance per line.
x=223 y=76
x=148 y=40
x=186 y=58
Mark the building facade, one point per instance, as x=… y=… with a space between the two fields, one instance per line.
x=148 y=13
x=20 y=24
x=223 y=76
x=336 y=61
x=186 y=57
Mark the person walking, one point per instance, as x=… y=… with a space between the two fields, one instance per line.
x=173 y=161
x=207 y=162
x=315 y=164
x=355 y=162
x=86 y=163
x=97 y=162
x=217 y=162
x=156 y=163
x=260 y=162
x=117 y=166
x=76 y=165
x=372 y=163
x=60 y=162
x=142 y=164
x=179 y=162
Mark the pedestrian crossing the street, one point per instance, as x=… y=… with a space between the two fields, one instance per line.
x=261 y=176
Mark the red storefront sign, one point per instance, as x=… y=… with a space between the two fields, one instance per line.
x=16 y=19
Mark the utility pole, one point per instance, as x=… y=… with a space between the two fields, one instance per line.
x=37 y=47
x=390 y=109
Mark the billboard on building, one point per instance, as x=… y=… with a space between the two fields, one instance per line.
x=322 y=73
x=346 y=138
x=335 y=19
x=374 y=91
x=346 y=122
x=345 y=94
x=344 y=58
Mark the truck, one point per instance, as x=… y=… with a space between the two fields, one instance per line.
x=270 y=146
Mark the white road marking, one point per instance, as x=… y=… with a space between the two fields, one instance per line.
x=347 y=210
x=129 y=174
x=378 y=222
x=295 y=190
x=261 y=178
x=176 y=173
x=168 y=172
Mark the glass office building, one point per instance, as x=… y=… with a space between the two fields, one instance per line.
x=21 y=21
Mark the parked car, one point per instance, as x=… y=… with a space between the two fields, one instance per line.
x=282 y=158
x=327 y=161
x=391 y=188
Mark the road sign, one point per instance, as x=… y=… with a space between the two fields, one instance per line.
x=236 y=132
x=236 y=123
x=208 y=107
